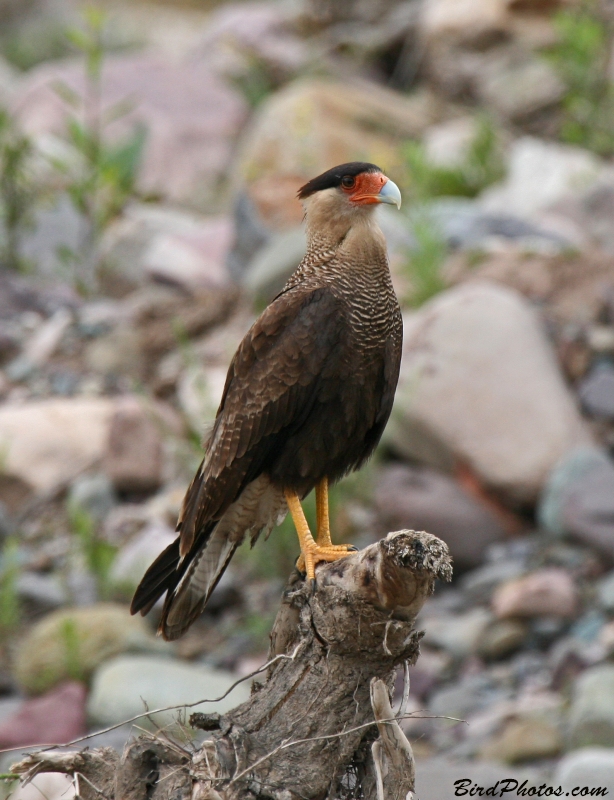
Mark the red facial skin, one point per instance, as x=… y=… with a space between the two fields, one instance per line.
x=366 y=188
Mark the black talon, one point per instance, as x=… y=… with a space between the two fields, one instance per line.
x=313 y=586
x=352 y=549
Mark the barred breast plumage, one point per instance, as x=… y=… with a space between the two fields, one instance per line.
x=307 y=396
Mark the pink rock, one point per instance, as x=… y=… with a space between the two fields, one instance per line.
x=53 y=718
x=133 y=460
x=191 y=115
x=243 y=30
x=547 y=592
x=192 y=258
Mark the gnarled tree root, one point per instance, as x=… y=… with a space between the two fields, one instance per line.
x=321 y=725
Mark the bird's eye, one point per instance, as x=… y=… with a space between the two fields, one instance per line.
x=348 y=182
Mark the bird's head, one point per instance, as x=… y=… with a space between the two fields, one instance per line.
x=351 y=189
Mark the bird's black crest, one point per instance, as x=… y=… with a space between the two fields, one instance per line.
x=332 y=177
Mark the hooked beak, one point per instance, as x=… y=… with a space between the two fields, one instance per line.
x=389 y=193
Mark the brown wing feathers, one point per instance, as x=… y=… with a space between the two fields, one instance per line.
x=270 y=390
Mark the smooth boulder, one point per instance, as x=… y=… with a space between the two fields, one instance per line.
x=591 y=717
x=48 y=442
x=191 y=117
x=480 y=386
x=423 y=499
x=123 y=685
x=71 y=643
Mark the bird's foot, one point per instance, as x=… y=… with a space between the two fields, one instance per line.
x=315 y=553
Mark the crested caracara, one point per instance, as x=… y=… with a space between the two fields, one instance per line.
x=307 y=397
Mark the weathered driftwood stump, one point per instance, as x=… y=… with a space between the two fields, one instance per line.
x=321 y=725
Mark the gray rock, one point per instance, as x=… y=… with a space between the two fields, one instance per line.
x=516 y=84
x=539 y=175
x=578 y=498
x=596 y=391
x=117 y=738
x=465 y=697
x=448 y=144
x=55 y=228
x=98 y=317
x=40 y=346
x=589 y=627
x=457 y=634
x=135 y=557
x=605 y=592
x=591 y=717
x=473 y=22
x=436 y=777
x=238 y=33
x=251 y=234
x=118 y=352
x=501 y=639
x=479 y=584
x=8 y=706
x=589 y=212
x=590 y=767
x=9 y=78
x=466 y=225
x=94 y=494
x=167 y=244
x=474 y=360
x=122 y=685
x=44 y=590
x=199 y=392
x=191 y=261
x=274 y=263
x=422 y=499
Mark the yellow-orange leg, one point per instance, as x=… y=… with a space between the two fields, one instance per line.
x=312 y=551
x=323 y=521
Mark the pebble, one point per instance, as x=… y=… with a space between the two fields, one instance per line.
x=133 y=458
x=94 y=494
x=545 y=592
x=138 y=554
x=578 y=499
x=501 y=639
x=44 y=590
x=480 y=583
x=435 y=776
x=605 y=592
x=590 y=767
x=596 y=391
x=541 y=173
x=457 y=634
x=472 y=693
x=524 y=740
x=591 y=716
x=416 y=498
